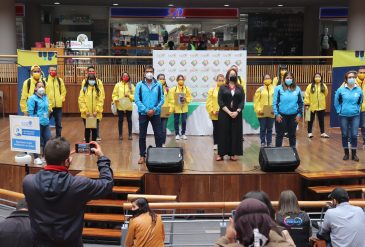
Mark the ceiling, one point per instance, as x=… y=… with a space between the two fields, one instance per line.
x=196 y=3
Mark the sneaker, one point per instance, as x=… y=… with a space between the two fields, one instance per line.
x=269 y=145
x=215 y=147
x=177 y=137
x=324 y=135
x=141 y=160
x=38 y=161
x=310 y=135
x=262 y=144
x=98 y=139
x=184 y=137
x=163 y=145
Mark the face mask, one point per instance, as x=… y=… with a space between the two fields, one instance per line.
x=41 y=91
x=282 y=72
x=232 y=78
x=288 y=81
x=267 y=82
x=361 y=76
x=135 y=212
x=351 y=81
x=92 y=82
x=317 y=80
x=149 y=75
x=53 y=73
x=180 y=82
x=36 y=76
x=163 y=82
x=91 y=73
x=125 y=78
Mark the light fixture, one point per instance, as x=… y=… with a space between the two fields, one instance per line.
x=115 y=4
x=280 y=5
x=226 y=5
x=171 y=5
x=56 y=3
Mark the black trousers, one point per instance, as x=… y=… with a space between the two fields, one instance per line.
x=93 y=132
x=120 y=121
x=320 y=116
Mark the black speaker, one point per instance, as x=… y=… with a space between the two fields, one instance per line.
x=278 y=159
x=165 y=159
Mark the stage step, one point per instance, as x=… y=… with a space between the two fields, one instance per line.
x=106 y=203
x=101 y=232
x=125 y=189
x=332 y=175
x=116 y=175
x=328 y=189
x=104 y=217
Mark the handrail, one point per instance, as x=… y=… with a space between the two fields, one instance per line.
x=153 y=198
x=11 y=194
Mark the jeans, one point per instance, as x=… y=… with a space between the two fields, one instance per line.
x=266 y=125
x=120 y=121
x=45 y=134
x=349 y=125
x=143 y=125
x=362 y=126
x=215 y=131
x=163 y=129
x=177 y=117
x=287 y=125
x=93 y=132
x=320 y=116
x=57 y=114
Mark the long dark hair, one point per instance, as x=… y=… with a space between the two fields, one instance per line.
x=281 y=67
x=167 y=87
x=143 y=207
x=313 y=88
x=293 y=85
x=227 y=76
x=90 y=77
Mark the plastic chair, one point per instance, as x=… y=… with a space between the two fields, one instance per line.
x=2 y=102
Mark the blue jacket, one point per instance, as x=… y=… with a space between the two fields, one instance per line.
x=347 y=101
x=149 y=99
x=38 y=107
x=287 y=102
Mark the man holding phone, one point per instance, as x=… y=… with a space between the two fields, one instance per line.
x=56 y=199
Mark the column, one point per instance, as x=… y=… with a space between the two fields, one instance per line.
x=33 y=25
x=7 y=28
x=356 y=25
x=311 y=40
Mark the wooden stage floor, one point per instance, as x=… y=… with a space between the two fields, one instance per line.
x=316 y=154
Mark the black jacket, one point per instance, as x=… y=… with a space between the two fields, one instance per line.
x=15 y=230
x=56 y=202
x=234 y=102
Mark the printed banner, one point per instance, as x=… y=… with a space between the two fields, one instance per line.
x=200 y=68
x=343 y=61
x=24 y=134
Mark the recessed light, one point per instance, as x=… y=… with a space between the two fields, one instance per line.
x=226 y=5
x=280 y=5
x=171 y=5
x=115 y=4
x=56 y=3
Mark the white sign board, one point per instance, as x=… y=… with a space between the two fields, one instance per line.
x=200 y=68
x=24 y=134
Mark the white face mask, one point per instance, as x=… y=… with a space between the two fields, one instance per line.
x=149 y=75
x=92 y=82
x=41 y=90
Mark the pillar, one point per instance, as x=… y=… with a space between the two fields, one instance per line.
x=7 y=28
x=311 y=36
x=32 y=25
x=356 y=25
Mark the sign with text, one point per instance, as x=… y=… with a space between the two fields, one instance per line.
x=24 y=134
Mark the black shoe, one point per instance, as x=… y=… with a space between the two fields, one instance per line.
x=130 y=137
x=347 y=154
x=354 y=156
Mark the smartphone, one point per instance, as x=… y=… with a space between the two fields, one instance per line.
x=84 y=148
x=233 y=212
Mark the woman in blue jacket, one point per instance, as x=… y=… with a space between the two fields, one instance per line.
x=348 y=100
x=288 y=109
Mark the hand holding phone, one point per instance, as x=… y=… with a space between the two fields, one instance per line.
x=84 y=148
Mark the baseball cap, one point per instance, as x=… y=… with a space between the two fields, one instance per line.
x=339 y=194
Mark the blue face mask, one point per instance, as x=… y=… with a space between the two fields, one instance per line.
x=351 y=81
x=288 y=81
x=92 y=82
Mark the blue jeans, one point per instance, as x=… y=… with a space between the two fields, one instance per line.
x=163 y=127
x=177 y=117
x=143 y=125
x=266 y=125
x=349 y=126
x=45 y=134
x=57 y=114
x=287 y=125
x=362 y=126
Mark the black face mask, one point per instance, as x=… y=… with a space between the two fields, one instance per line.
x=136 y=212
x=233 y=78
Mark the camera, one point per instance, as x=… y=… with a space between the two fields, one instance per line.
x=84 y=148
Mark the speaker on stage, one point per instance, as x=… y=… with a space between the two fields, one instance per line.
x=278 y=159
x=165 y=159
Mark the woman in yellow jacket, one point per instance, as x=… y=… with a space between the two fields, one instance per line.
x=161 y=78
x=263 y=98
x=123 y=96
x=212 y=107
x=315 y=101
x=278 y=80
x=179 y=99
x=91 y=104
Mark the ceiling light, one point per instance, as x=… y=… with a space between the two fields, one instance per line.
x=56 y=3
x=115 y=4
x=280 y=5
x=171 y=5
x=226 y=5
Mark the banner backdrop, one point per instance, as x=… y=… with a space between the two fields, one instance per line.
x=199 y=68
x=343 y=61
x=26 y=59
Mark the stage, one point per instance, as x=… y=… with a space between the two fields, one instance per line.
x=203 y=179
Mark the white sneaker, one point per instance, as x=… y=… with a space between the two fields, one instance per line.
x=324 y=135
x=177 y=137
x=184 y=137
x=38 y=161
x=215 y=147
x=98 y=139
x=310 y=135
x=163 y=145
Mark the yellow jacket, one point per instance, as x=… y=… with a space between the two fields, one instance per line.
x=174 y=106
x=263 y=96
x=120 y=90
x=275 y=81
x=90 y=102
x=100 y=86
x=165 y=94
x=56 y=91
x=242 y=83
x=27 y=93
x=316 y=100
x=361 y=84
x=212 y=103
